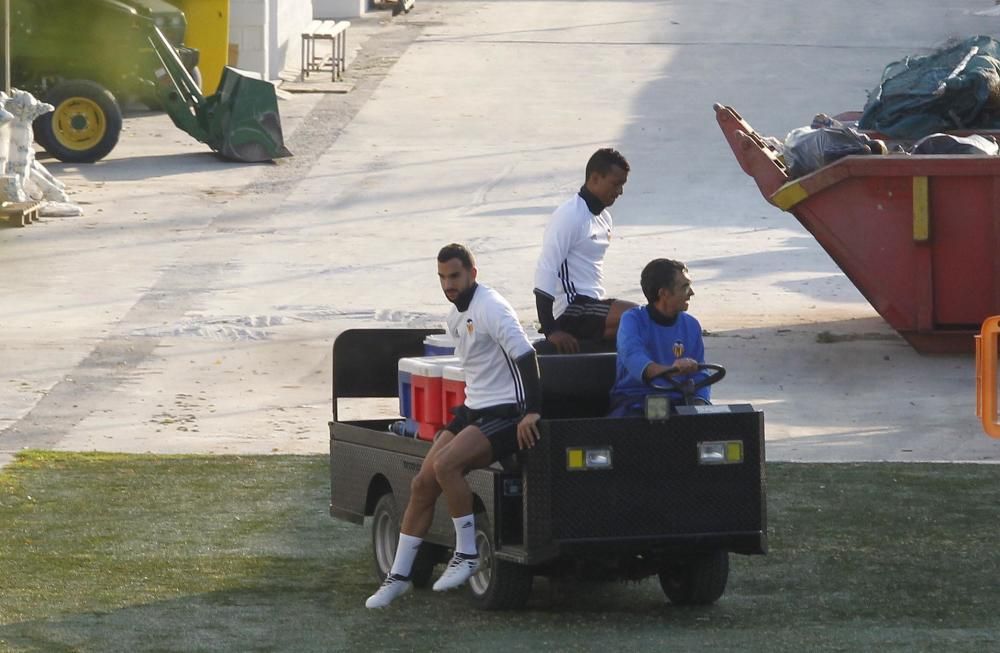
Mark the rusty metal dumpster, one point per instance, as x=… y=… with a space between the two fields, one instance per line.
x=918 y=235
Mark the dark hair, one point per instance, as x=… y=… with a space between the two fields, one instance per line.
x=659 y=273
x=604 y=159
x=461 y=252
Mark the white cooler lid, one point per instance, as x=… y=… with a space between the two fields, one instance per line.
x=431 y=366
x=440 y=340
x=453 y=373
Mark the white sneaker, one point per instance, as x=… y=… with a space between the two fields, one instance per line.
x=392 y=588
x=460 y=569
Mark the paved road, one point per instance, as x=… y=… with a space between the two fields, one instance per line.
x=194 y=306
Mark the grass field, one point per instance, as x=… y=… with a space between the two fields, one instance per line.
x=154 y=553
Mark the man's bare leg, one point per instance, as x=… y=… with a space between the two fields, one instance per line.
x=424 y=491
x=618 y=307
x=469 y=450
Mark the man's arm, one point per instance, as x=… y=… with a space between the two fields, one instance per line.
x=559 y=237
x=632 y=351
x=543 y=305
x=527 y=367
x=560 y=234
x=527 y=428
x=507 y=331
x=637 y=355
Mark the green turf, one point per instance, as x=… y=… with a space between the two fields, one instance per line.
x=155 y=553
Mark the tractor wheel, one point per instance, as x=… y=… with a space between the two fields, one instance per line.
x=198 y=79
x=85 y=125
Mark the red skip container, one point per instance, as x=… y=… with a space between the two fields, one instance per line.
x=917 y=235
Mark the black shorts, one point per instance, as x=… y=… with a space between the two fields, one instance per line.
x=498 y=424
x=585 y=318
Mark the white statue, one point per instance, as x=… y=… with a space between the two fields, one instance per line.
x=35 y=181
x=10 y=187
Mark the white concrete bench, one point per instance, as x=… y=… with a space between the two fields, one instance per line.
x=335 y=32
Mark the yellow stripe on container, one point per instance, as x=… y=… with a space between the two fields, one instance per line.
x=789 y=195
x=921 y=210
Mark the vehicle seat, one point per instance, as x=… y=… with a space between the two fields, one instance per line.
x=576 y=385
x=545 y=348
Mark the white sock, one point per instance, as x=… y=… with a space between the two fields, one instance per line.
x=406 y=553
x=465 y=535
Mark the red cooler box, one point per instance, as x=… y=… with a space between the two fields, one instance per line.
x=452 y=389
x=425 y=385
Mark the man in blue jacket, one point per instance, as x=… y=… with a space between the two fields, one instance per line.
x=660 y=337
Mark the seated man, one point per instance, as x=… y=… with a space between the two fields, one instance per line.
x=569 y=278
x=499 y=416
x=660 y=337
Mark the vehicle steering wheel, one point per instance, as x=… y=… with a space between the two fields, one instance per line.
x=689 y=386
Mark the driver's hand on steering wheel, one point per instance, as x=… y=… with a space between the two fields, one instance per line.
x=680 y=366
x=686 y=365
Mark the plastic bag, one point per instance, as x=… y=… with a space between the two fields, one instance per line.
x=948 y=144
x=807 y=149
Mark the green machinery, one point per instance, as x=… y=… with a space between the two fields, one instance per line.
x=85 y=57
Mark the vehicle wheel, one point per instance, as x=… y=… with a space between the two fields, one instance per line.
x=385 y=537
x=698 y=580
x=85 y=125
x=498 y=585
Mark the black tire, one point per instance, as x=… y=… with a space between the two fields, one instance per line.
x=85 y=125
x=698 y=580
x=499 y=584
x=198 y=79
x=385 y=537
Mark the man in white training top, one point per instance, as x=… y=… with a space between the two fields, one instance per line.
x=500 y=416
x=569 y=291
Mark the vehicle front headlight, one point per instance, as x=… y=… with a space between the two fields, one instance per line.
x=580 y=459
x=720 y=452
x=657 y=408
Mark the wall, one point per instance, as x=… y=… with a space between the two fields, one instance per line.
x=268 y=33
x=339 y=8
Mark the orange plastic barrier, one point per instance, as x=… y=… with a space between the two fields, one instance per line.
x=986 y=376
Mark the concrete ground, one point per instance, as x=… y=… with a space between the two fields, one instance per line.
x=193 y=308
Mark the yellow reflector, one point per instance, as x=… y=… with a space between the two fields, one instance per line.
x=574 y=459
x=734 y=452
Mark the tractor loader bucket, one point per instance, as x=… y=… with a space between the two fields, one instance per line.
x=240 y=121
